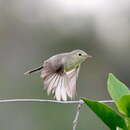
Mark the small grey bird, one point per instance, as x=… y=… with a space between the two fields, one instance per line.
x=60 y=72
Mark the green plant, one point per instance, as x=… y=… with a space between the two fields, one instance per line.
x=121 y=96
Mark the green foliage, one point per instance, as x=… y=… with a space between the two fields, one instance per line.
x=124 y=105
x=117 y=128
x=116 y=88
x=121 y=97
x=106 y=114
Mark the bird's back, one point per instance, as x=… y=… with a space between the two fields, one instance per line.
x=55 y=63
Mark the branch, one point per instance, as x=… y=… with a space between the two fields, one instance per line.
x=48 y=101
x=75 y=122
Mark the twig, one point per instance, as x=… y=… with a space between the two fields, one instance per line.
x=39 y=100
x=75 y=122
x=48 y=101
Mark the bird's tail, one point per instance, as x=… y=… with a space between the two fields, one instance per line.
x=33 y=70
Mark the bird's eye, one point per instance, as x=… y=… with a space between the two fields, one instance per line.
x=80 y=54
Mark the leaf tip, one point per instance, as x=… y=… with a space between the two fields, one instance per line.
x=111 y=78
x=110 y=75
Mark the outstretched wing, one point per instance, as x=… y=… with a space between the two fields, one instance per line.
x=59 y=82
x=72 y=78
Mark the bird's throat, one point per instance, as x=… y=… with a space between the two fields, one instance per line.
x=70 y=67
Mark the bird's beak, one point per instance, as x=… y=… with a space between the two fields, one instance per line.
x=89 y=56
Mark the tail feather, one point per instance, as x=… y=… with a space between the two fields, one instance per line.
x=33 y=70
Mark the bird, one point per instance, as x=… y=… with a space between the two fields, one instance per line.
x=60 y=73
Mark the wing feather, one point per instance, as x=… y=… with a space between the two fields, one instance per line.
x=72 y=78
x=61 y=84
x=63 y=91
x=51 y=84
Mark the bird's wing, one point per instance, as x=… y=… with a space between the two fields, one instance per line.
x=72 y=78
x=58 y=82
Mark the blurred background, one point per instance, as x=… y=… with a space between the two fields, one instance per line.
x=33 y=30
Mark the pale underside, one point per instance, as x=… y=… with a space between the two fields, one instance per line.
x=58 y=82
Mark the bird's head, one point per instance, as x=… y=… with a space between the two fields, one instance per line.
x=80 y=56
x=75 y=58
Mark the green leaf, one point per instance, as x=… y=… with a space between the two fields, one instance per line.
x=117 y=128
x=116 y=88
x=123 y=105
x=106 y=114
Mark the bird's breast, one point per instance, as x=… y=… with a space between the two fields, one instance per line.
x=70 y=66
